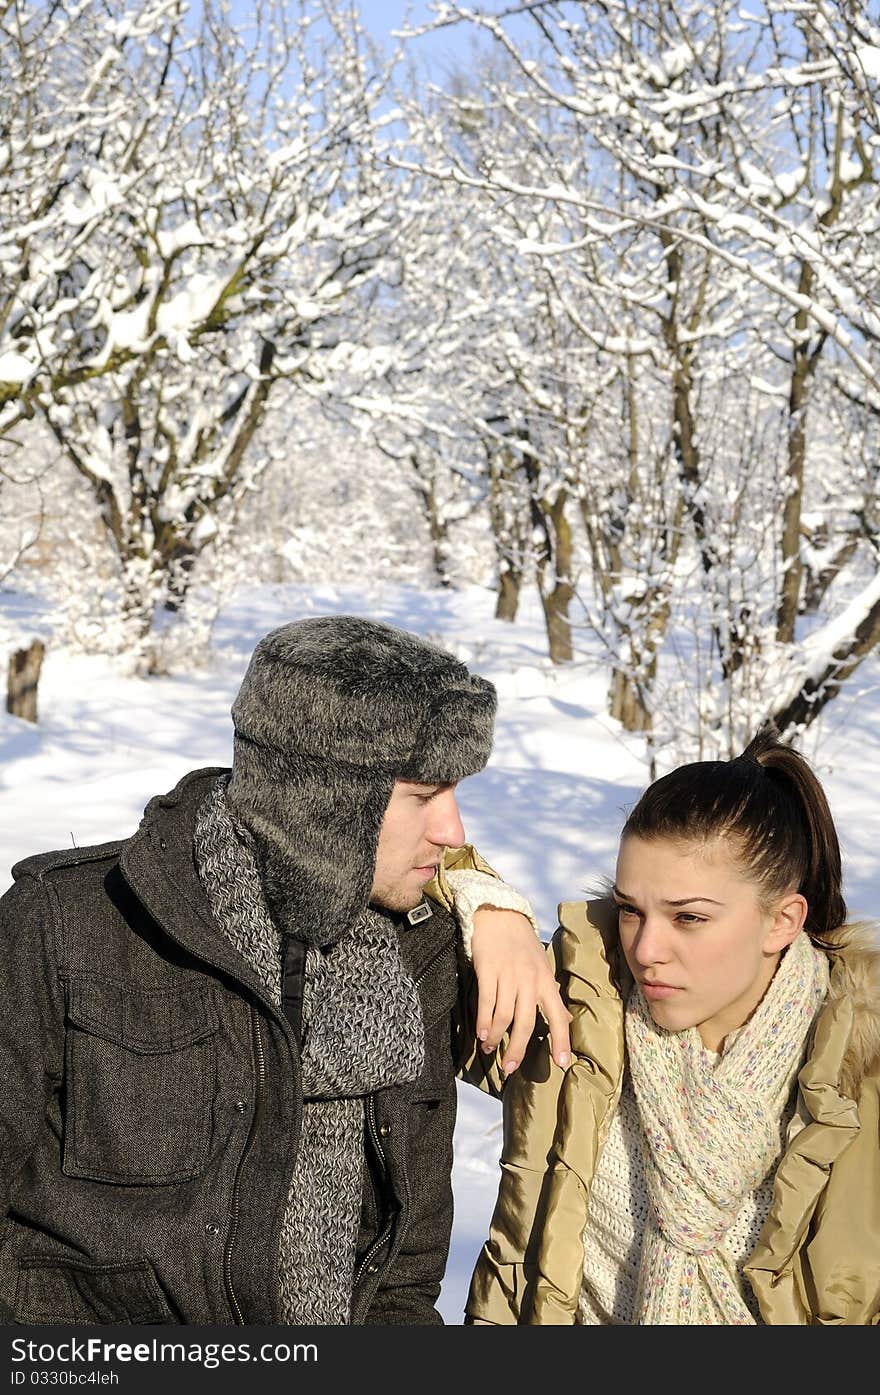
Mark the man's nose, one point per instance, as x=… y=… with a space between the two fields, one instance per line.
x=446 y=828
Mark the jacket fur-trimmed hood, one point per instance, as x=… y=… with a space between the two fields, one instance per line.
x=854 y=951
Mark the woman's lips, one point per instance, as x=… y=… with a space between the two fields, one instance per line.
x=654 y=992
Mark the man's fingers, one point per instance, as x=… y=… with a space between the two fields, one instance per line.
x=505 y=1002
x=557 y=1017
x=521 y=1031
x=494 y=1014
x=485 y=1013
x=511 y=988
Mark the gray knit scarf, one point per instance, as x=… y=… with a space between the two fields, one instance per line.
x=362 y=1030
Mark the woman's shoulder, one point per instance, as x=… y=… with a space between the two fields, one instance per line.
x=592 y=977
x=586 y=944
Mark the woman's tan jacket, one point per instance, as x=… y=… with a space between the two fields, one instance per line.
x=817 y=1259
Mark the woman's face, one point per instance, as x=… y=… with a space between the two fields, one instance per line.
x=696 y=935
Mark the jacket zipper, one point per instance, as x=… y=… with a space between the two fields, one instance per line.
x=380 y=1154
x=373 y=1250
x=374 y=1133
x=431 y=962
x=383 y=1166
x=260 y=1057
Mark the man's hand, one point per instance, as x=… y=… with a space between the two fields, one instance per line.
x=514 y=980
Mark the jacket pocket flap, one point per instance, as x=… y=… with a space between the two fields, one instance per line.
x=432 y=1091
x=437 y=1080
x=57 y=1291
x=146 y=1020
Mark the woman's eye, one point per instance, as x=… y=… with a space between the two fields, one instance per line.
x=626 y=910
x=688 y=918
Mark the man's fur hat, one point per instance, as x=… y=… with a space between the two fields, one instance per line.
x=332 y=710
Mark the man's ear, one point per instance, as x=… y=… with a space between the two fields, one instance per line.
x=788 y=920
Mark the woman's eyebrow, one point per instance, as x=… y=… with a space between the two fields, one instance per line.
x=685 y=900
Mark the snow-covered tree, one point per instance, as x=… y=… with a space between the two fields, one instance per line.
x=193 y=207
x=708 y=174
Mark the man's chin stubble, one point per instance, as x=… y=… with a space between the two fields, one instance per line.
x=395 y=900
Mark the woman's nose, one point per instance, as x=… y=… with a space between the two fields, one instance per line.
x=651 y=944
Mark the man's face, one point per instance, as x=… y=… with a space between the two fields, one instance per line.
x=420 y=821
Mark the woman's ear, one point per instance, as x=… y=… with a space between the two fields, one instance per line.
x=788 y=920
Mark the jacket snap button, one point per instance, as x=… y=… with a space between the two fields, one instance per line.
x=240 y=1106
x=163 y=845
x=384 y=1130
x=212 y=1228
x=372 y=1268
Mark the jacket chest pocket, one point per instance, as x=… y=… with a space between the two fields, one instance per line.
x=140 y=1080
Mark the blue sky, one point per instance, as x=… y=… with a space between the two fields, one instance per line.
x=384 y=15
x=450 y=47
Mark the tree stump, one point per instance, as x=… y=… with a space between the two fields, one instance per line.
x=24 y=675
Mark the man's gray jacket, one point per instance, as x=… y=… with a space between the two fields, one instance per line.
x=151 y=1102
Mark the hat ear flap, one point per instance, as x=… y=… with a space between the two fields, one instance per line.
x=315 y=838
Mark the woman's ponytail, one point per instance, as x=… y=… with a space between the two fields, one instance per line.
x=821 y=876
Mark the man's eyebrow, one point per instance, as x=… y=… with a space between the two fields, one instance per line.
x=685 y=900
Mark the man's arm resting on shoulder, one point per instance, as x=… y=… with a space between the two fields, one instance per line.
x=514 y=975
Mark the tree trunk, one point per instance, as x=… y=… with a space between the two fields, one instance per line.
x=630 y=695
x=439 y=530
x=792 y=566
x=816 y=584
x=509 y=521
x=556 y=601
x=507 y=603
x=626 y=703
x=23 y=677
x=821 y=688
x=558 y=624
x=177 y=567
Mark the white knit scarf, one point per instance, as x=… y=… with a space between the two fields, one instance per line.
x=711 y=1132
x=362 y=1031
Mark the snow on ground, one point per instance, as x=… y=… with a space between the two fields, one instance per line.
x=546 y=811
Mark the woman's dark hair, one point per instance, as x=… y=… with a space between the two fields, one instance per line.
x=771 y=805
